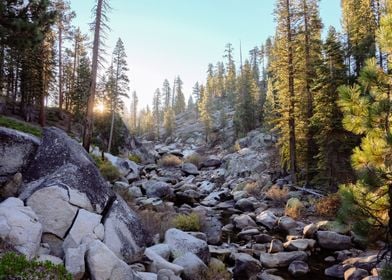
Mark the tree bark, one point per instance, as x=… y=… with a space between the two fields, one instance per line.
x=61 y=97
x=88 y=126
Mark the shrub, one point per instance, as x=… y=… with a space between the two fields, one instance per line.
x=170 y=161
x=156 y=222
x=135 y=158
x=108 y=171
x=386 y=272
x=294 y=208
x=194 y=158
x=14 y=266
x=21 y=126
x=189 y=222
x=217 y=271
x=329 y=205
x=278 y=194
x=252 y=188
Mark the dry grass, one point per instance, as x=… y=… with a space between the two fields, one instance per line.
x=294 y=208
x=189 y=222
x=277 y=194
x=217 y=271
x=329 y=205
x=194 y=158
x=157 y=222
x=252 y=188
x=170 y=161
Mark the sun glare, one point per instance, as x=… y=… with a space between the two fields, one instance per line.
x=100 y=108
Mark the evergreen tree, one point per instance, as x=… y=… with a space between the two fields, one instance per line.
x=157 y=113
x=179 y=105
x=169 y=122
x=206 y=108
x=120 y=88
x=166 y=93
x=231 y=76
x=331 y=139
x=191 y=104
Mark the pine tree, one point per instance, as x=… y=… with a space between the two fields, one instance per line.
x=166 y=94
x=157 y=113
x=169 y=122
x=331 y=139
x=231 y=76
x=179 y=105
x=206 y=108
x=120 y=83
x=191 y=105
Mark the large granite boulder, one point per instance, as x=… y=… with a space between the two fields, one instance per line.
x=157 y=189
x=20 y=227
x=333 y=241
x=193 y=266
x=246 y=267
x=282 y=259
x=63 y=161
x=16 y=151
x=124 y=233
x=103 y=264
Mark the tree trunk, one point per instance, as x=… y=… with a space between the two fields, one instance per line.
x=111 y=132
x=292 y=140
x=61 y=97
x=88 y=125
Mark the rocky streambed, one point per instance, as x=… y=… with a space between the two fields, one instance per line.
x=66 y=213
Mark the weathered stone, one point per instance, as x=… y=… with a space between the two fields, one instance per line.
x=104 y=265
x=84 y=224
x=48 y=258
x=51 y=204
x=124 y=233
x=245 y=267
x=355 y=274
x=161 y=249
x=16 y=151
x=212 y=161
x=189 y=169
x=74 y=261
x=193 y=266
x=336 y=271
x=63 y=161
x=181 y=243
x=245 y=205
x=333 y=241
x=276 y=246
x=267 y=219
x=167 y=274
x=11 y=188
x=287 y=224
x=298 y=268
x=282 y=259
x=158 y=263
x=310 y=230
x=299 y=244
x=19 y=226
x=157 y=189
x=243 y=221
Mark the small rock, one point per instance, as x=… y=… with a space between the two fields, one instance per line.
x=245 y=205
x=193 y=266
x=298 y=268
x=283 y=259
x=310 y=230
x=212 y=161
x=190 y=169
x=246 y=267
x=336 y=271
x=276 y=246
x=267 y=219
x=48 y=258
x=244 y=221
x=355 y=274
x=159 y=263
x=333 y=241
x=167 y=274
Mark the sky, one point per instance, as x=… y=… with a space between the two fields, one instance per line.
x=167 y=38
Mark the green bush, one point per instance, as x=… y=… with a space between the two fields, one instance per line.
x=135 y=158
x=20 y=126
x=217 y=271
x=14 y=266
x=386 y=272
x=108 y=171
x=189 y=222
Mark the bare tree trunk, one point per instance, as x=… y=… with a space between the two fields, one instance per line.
x=292 y=140
x=111 y=132
x=88 y=126
x=61 y=97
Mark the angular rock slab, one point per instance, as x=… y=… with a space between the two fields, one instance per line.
x=124 y=233
x=19 y=226
x=53 y=209
x=283 y=259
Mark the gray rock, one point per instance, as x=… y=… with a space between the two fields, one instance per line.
x=267 y=219
x=212 y=161
x=245 y=267
x=283 y=259
x=244 y=221
x=157 y=189
x=167 y=274
x=63 y=161
x=147 y=276
x=158 y=263
x=74 y=261
x=298 y=268
x=49 y=258
x=355 y=274
x=267 y=276
x=19 y=225
x=190 y=169
x=193 y=266
x=310 y=230
x=287 y=224
x=181 y=243
x=126 y=167
x=212 y=227
x=276 y=246
x=135 y=192
x=55 y=213
x=333 y=241
x=124 y=233
x=245 y=205
x=300 y=244
x=247 y=234
x=84 y=225
x=263 y=238
x=103 y=264
x=161 y=249
x=55 y=244
x=336 y=271
x=16 y=151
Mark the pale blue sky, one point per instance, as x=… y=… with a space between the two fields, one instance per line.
x=166 y=38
